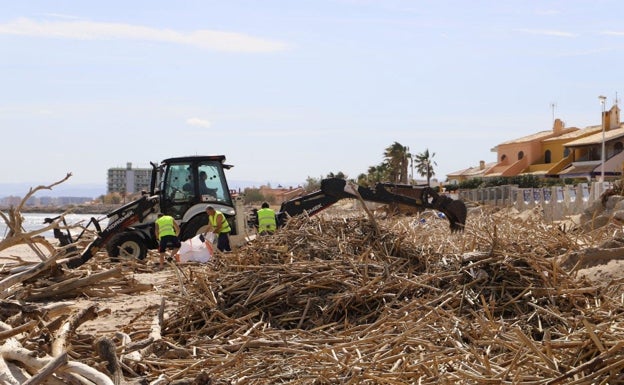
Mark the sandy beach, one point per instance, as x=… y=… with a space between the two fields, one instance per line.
x=115 y=312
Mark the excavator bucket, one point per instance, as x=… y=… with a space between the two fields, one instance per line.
x=419 y=197
x=456 y=213
x=426 y=197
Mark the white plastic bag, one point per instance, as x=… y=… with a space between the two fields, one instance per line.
x=194 y=250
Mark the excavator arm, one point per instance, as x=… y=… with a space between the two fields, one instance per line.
x=334 y=189
x=119 y=220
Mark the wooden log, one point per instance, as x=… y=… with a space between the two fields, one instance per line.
x=8 y=282
x=48 y=369
x=18 y=329
x=60 y=342
x=106 y=350
x=155 y=329
x=6 y=377
x=61 y=289
x=87 y=372
x=12 y=350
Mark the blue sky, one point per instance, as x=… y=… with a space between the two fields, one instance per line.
x=291 y=89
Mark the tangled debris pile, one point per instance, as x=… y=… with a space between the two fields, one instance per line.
x=326 y=300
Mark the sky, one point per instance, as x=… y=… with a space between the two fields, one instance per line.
x=288 y=90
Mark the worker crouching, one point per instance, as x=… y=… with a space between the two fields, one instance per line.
x=267 y=220
x=220 y=228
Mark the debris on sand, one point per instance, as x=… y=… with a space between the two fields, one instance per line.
x=331 y=300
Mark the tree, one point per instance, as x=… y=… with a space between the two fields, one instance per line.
x=253 y=195
x=312 y=184
x=339 y=175
x=424 y=164
x=397 y=159
x=377 y=173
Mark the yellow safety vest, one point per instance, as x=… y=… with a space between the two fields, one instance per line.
x=165 y=226
x=225 y=226
x=266 y=220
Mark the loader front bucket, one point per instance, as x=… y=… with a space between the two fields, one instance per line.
x=456 y=213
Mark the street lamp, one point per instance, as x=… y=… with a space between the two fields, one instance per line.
x=602 y=159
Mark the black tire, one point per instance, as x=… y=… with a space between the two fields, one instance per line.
x=193 y=226
x=127 y=246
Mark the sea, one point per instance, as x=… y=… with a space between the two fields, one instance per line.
x=35 y=221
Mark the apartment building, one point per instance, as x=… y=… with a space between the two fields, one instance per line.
x=128 y=180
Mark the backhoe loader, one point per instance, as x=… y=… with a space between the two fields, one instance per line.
x=183 y=187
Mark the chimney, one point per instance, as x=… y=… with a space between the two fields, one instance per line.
x=558 y=126
x=481 y=165
x=129 y=166
x=614 y=117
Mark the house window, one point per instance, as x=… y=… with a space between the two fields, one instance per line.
x=566 y=152
x=503 y=157
x=520 y=155
x=618 y=147
x=547 y=156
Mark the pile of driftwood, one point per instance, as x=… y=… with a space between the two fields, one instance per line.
x=329 y=300
x=38 y=329
x=39 y=338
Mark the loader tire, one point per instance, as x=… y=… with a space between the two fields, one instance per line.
x=126 y=246
x=194 y=227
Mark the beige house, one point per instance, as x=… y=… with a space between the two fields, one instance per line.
x=586 y=152
x=469 y=173
x=560 y=153
x=529 y=154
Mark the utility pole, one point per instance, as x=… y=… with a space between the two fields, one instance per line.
x=602 y=99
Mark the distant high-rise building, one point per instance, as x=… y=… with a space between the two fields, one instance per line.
x=128 y=180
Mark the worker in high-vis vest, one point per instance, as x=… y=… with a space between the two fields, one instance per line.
x=220 y=228
x=267 y=221
x=167 y=231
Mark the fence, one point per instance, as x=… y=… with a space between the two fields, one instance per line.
x=557 y=202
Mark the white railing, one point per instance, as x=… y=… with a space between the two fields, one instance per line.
x=557 y=202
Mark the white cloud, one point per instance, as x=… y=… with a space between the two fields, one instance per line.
x=546 y=32
x=613 y=33
x=87 y=30
x=197 y=122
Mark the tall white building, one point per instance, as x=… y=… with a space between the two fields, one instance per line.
x=128 y=180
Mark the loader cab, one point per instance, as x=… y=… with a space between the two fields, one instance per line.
x=188 y=182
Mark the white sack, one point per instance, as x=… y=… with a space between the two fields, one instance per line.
x=194 y=250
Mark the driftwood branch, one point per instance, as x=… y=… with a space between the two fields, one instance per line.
x=106 y=350
x=14 y=218
x=61 y=289
x=32 y=190
x=14 y=279
x=12 y=350
x=59 y=345
x=52 y=366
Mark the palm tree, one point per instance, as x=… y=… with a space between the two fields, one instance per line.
x=397 y=159
x=424 y=164
x=362 y=179
x=377 y=173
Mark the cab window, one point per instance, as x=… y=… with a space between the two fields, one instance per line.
x=212 y=185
